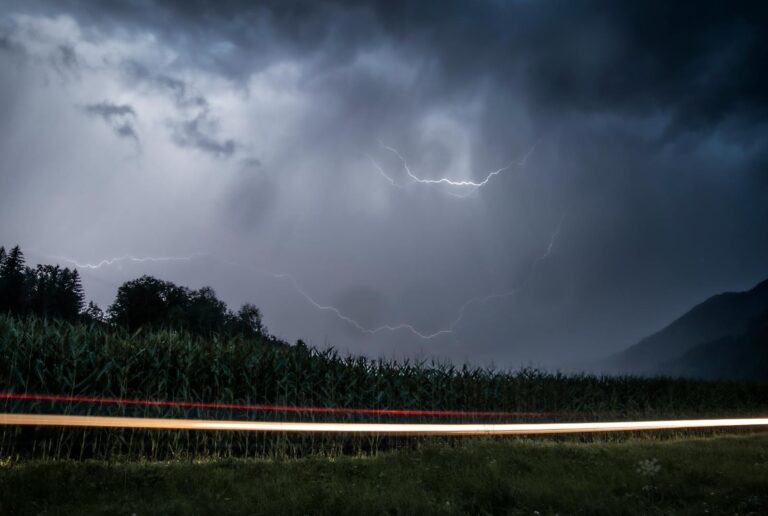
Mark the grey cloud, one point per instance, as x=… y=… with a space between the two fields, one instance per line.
x=67 y=56
x=251 y=203
x=250 y=163
x=107 y=110
x=120 y=117
x=194 y=133
x=593 y=55
x=8 y=45
x=62 y=58
x=126 y=131
x=366 y=305
x=179 y=89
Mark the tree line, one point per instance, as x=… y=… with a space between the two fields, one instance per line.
x=51 y=291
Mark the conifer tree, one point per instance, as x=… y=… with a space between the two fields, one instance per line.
x=13 y=285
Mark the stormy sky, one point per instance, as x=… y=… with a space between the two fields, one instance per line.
x=507 y=182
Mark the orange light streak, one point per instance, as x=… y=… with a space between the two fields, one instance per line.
x=370 y=428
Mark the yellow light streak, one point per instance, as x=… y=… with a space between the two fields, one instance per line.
x=370 y=428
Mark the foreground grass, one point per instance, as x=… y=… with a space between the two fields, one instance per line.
x=716 y=475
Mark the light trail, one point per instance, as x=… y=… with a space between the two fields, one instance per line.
x=23 y=396
x=370 y=428
x=472 y=185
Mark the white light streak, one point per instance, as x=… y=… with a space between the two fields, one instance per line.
x=449 y=329
x=354 y=323
x=372 y=428
x=112 y=261
x=472 y=186
x=380 y=170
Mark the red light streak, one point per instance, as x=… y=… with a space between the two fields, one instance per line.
x=271 y=408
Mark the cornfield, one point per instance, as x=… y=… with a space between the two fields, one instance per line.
x=55 y=357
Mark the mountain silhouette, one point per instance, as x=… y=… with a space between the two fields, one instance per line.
x=726 y=336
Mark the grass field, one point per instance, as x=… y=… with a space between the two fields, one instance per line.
x=40 y=356
x=700 y=475
x=119 y=471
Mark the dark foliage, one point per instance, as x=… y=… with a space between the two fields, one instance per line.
x=47 y=290
x=150 y=302
x=56 y=292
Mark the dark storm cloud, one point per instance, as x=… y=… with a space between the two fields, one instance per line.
x=698 y=64
x=67 y=56
x=8 y=42
x=180 y=92
x=120 y=117
x=648 y=121
x=62 y=58
x=108 y=110
x=195 y=133
x=177 y=88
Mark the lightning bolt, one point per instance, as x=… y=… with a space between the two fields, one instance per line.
x=472 y=186
x=550 y=245
x=451 y=327
x=118 y=259
x=380 y=170
x=291 y=280
x=339 y=314
x=509 y=293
